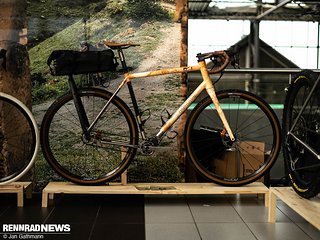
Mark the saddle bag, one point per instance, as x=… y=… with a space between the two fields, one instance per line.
x=69 y=62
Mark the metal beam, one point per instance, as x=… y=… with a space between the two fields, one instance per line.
x=272 y=9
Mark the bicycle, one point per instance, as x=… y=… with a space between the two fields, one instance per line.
x=90 y=136
x=301 y=128
x=19 y=137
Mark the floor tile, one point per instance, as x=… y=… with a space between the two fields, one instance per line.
x=167 y=210
x=3 y=209
x=27 y=214
x=258 y=213
x=73 y=214
x=278 y=231
x=122 y=210
x=225 y=231
x=313 y=232
x=118 y=232
x=175 y=231
x=214 y=213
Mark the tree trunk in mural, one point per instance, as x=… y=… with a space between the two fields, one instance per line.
x=14 y=76
x=181 y=16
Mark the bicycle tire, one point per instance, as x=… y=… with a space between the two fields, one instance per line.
x=305 y=182
x=257 y=132
x=19 y=143
x=109 y=150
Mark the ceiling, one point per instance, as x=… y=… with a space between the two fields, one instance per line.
x=255 y=10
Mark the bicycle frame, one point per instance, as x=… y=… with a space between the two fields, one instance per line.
x=206 y=84
x=291 y=134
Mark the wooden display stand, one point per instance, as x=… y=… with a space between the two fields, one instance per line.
x=19 y=188
x=308 y=209
x=151 y=188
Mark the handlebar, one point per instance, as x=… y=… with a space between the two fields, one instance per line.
x=221 y=59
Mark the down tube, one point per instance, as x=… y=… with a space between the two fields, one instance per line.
x=181 y=109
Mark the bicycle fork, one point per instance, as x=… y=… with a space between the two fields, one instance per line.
x=206 y=84
x=211 y=92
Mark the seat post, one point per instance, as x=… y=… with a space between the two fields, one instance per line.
x=122 y=60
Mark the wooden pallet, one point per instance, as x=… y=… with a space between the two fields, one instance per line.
x=152 y=188
x=308 y=209
x=19 y=188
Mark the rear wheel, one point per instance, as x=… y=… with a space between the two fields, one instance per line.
x=107 y=152
x=303 y=167
x=256 y=129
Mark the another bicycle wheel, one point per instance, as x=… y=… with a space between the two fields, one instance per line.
x=256 y=129
x=110 y=148
x=303 y=167
x=18 y=139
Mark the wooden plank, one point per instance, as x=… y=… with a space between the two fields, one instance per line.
x=151 y=188
x=44 y=202
x=272 y=207
x=19 y=188
x=309 y=209
x=124 y=177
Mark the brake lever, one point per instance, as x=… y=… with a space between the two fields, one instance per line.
x=216 y=62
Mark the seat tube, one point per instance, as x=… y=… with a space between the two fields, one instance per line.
x=211 y=92
x=84 y=122
x=123 y=61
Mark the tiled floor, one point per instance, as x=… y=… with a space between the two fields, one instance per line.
x=221 y=217
x=90 y=217
x=116 y=217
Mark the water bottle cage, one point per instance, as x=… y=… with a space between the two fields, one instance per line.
x=171 y=134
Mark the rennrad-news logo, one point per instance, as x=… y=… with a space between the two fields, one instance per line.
x=36 y=228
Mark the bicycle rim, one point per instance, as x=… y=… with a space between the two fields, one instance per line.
x=112 y=143
x=18 y=139
x=257 y=133
x=303 y=166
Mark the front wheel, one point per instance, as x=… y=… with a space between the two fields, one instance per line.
x=93 y=159
x=256 y=129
